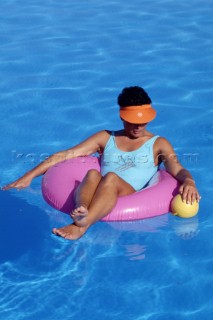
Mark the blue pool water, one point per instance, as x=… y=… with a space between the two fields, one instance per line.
x=62 y=65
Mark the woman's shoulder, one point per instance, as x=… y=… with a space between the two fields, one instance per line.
x=162 y=140
x=102 y=133
x=163 y=143
x=101 y=137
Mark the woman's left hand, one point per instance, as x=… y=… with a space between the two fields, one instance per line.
x=189 y=191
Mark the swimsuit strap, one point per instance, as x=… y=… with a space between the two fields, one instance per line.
x=113 y=136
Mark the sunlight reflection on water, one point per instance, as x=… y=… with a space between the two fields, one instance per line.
x=62 y=66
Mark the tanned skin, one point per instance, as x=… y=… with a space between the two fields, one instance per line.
x=97 y=195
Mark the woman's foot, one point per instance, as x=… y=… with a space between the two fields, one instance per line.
x=70 y=232
x=80 y=215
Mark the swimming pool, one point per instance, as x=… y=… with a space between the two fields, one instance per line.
x=62 y=66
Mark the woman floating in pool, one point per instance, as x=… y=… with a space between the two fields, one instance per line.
x=129 y=158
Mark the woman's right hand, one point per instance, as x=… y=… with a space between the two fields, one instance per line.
x=19 y=184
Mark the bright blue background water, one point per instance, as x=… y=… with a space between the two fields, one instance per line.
x=62 y=66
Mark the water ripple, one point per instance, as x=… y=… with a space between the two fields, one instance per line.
x=62 y=66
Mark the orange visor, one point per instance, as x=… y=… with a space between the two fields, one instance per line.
x=138 y=114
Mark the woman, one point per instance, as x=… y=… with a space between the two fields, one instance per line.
x=129 y=158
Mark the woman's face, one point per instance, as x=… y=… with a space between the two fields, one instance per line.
x=134 y=130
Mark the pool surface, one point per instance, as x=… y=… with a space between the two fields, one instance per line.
x=62 y=65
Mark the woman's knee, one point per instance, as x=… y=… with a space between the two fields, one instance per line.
x=111 y=178
x=93 y=174
x=113 y=181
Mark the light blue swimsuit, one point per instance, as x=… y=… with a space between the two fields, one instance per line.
x=135 y=167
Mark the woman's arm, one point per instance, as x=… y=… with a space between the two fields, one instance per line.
x=167 y=155
x=95 y=143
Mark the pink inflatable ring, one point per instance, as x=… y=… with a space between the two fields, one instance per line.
x=60 y=181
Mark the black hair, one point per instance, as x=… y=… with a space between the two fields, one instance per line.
x=133 y=96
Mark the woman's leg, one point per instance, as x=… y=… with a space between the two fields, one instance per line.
x=85 y=193
x=111 y=187
x=83 y=196
x=105 y=197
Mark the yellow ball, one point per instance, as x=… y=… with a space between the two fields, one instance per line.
x=182 y=209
